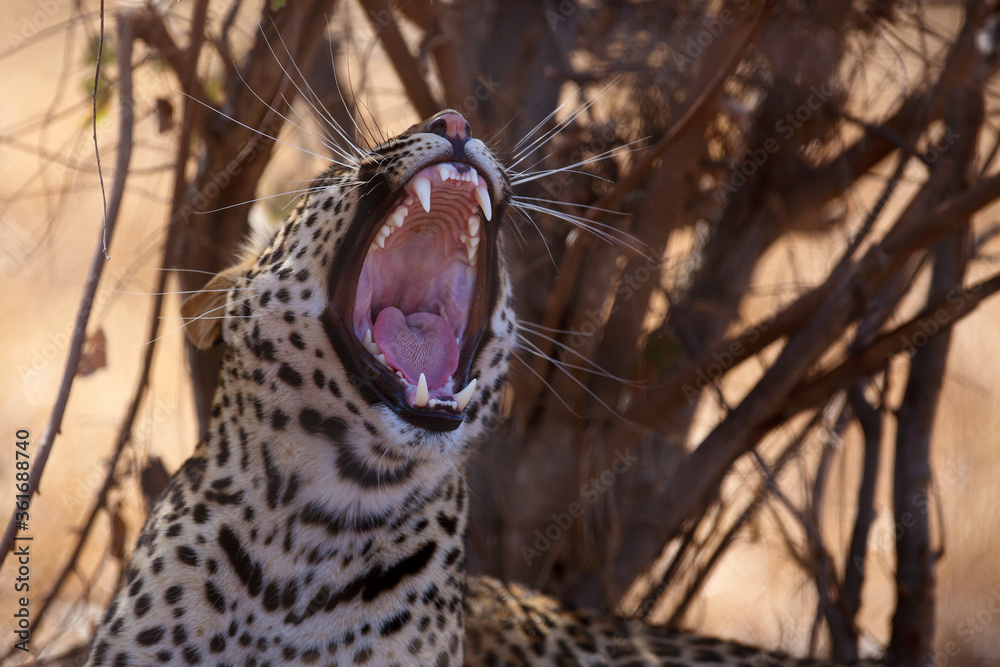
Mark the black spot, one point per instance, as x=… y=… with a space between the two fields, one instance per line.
x=151 y=636
x=282 y=294
x=296 y=339
x=201 y=513
x=334 y=388
x=331 y=428
x=452 y=556
x=265 y=298
x=187 y=555
x=336 y=524
x=273 y=477
x=215 y=596
x=291 y=490
x=302 y=275
x=447 y=522
x=279 y=420
x=217 y=644
x=180 y=634
x=272 y=596
x=394 y=623
x=173 y=594
x=143 y=604
x=191 y=655
x=319 y=378
x=290 y=375
x=246 y=568
x=258 y=376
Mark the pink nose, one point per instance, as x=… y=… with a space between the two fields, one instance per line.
x=451 y=126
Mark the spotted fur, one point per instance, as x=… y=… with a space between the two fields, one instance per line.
x=317 y=526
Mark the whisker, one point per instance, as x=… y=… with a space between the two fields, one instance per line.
x=264 y=198
x=560 y=126
x=575 y=381
x=301 y=149
x=526 y=177
x=591 y=364
x=321 y=113
x=591 y=226
x=203 y=316
x=546 y=383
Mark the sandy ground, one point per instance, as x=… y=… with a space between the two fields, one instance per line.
x=50 y=223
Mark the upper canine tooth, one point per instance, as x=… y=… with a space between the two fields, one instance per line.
x=474 y=226
x=422 y=188
x=463 y=397
x=422 y=395
x=483 y=197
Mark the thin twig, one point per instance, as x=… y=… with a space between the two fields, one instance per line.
x=83 y=315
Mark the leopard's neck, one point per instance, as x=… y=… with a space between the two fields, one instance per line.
x=377 y=569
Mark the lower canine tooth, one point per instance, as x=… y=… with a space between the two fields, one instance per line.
x=483 y=197
x=422 y=396
x=463 y=397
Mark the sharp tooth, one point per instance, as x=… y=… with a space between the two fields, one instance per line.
x=432 y=403
x=398 y=216
x=380 y=241
x=444 y=171
x=372 y=248
x=381 y=359
x=367 y=342
x=422 y=188
x=475 y=177
x=474 y=242
x=474 y=224
x=463 y=397
x=422 y=395
x=483 y=197
x=463 y=238
x=472 y=255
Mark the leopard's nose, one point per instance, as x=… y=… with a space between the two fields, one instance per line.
x=453 y=127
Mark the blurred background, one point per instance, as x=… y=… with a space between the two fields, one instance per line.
x=754 y=248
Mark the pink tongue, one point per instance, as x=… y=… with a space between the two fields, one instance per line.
x=417 y=343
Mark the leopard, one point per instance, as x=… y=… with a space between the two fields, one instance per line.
x=321 y=521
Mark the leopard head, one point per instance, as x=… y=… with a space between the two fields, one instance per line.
x=378 y=316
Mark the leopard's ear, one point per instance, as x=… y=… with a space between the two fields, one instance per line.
x=205 y=310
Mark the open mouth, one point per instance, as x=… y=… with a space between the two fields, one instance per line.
x=410 y=304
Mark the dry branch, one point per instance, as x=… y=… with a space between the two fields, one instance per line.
x=87 y=301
